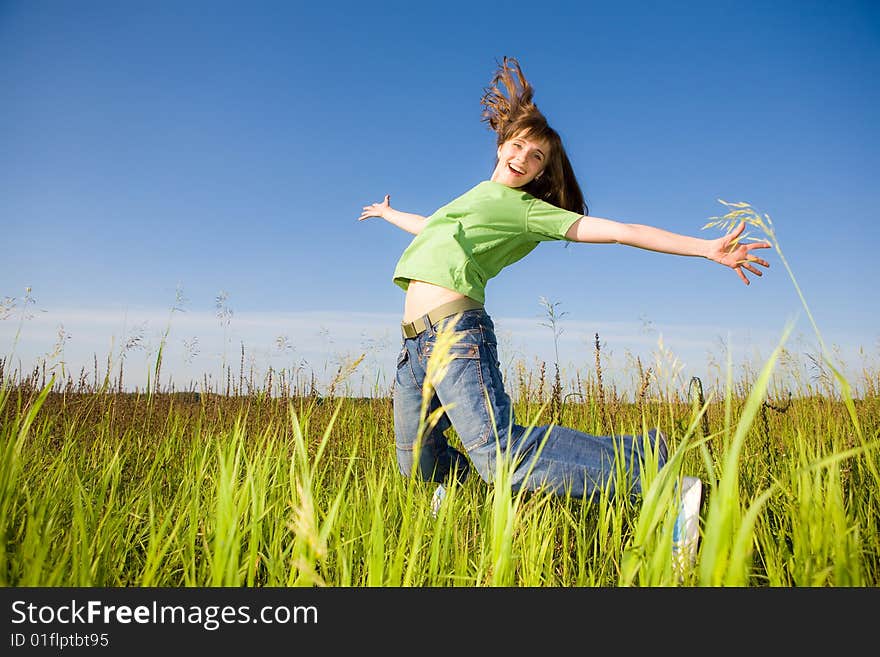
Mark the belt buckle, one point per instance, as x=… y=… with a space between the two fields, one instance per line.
x=411 y=330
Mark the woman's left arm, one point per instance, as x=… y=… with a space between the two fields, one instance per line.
x=724 y=250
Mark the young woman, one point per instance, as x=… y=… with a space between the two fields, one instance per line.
x=532 y=196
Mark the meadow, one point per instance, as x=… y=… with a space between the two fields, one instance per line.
x=102 y=487
x=273 y=483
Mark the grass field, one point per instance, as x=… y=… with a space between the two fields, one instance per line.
x=108 y=488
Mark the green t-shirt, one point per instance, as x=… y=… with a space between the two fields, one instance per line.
x=474 y=237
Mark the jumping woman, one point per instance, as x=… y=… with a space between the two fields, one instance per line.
x=532 y=196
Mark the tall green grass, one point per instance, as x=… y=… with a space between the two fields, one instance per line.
x=110 y=489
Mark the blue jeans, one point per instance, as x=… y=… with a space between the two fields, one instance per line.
x=475 y=404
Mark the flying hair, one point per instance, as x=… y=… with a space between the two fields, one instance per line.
x=508 y=97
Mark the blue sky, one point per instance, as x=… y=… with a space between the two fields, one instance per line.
x=219 y=148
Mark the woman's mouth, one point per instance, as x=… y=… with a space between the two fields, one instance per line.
x=515 y=171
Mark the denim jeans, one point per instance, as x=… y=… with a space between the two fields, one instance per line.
x=475 y=404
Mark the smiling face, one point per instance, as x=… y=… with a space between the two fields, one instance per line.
x=520 y=160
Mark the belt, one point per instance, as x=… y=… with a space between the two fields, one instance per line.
x=412 y=329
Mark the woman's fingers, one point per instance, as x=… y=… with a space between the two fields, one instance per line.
x=746 y=262
x=375 y=209
x=373 y=206
x=739 y=271
x=757 y=260
x=758 y=245
x=749 y=263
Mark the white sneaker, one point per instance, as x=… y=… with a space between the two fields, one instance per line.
x=437 y=500
x=686 y=533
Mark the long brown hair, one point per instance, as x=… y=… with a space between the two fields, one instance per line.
x=509 y=110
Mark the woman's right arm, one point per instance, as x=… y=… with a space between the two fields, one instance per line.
x=411 y=223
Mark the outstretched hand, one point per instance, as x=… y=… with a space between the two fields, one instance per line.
x=376 y=209
x=726 y=251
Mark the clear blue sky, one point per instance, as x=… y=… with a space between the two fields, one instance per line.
x=229 y=147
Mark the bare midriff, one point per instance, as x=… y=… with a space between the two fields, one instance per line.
x=422 y=298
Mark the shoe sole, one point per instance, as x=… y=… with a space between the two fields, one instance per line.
x=437 y=500
x=686 y=533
